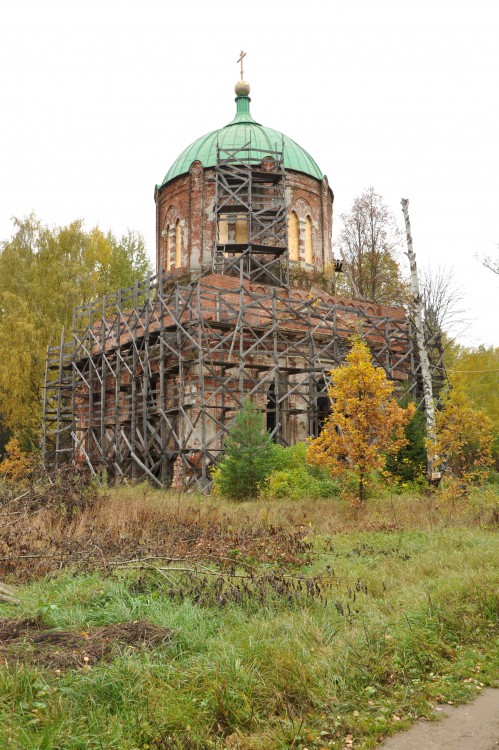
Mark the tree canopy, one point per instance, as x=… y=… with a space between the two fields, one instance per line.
x=365 y=423
x=44 y=272
x=369 y=243
x=464 y=437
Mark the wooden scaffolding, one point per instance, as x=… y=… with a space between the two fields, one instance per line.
x=152 y=377
x=251 y=206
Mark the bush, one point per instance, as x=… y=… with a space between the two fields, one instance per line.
x=16 y=465
x=294 y=479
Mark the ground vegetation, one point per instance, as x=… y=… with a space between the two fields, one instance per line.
x=148 y=620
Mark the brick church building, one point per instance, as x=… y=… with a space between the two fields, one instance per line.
x=153 y=375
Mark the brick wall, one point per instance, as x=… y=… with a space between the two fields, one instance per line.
x=191 y=199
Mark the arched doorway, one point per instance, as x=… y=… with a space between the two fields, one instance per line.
x=271 y=410
x=321 y=408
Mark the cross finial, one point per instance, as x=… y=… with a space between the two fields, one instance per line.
x=242 y=54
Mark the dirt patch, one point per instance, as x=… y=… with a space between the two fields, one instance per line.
x=474 y=726
x=28 y=641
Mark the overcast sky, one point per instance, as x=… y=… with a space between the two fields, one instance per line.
x=99 y=98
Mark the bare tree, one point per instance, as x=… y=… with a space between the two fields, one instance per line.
x=369 y=243
x=442 y=301
x=444 y=318
x=489 y=262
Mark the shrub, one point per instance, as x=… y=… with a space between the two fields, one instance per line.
x=294 y=479
x=409 y=463
x=16 y=465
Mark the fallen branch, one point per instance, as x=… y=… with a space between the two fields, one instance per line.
x=138 y=564
x=7 y=594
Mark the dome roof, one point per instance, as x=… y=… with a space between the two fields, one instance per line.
x=236 y=134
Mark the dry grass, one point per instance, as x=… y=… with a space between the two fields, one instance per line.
x=40 y=538
x=70 y=524
x=333 y=623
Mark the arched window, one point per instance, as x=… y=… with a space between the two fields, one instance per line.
x=168 y=248
x=309 y=252
x=293 y=236
x=178 y=244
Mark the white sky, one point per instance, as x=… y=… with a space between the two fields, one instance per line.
x=98 y=99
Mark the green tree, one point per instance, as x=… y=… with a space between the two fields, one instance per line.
x=409 y=463
x=44 y=272
x=249 y=455
x=365 y=423
x=478 y=370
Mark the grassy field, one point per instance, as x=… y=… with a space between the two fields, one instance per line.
x=286 y=625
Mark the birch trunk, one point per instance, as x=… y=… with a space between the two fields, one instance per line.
x=417 y=301
x=346 y=269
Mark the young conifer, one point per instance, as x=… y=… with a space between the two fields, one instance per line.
x=248 y=455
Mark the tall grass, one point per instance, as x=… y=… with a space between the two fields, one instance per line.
x=411 y=619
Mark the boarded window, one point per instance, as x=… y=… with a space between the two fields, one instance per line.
x=242 y=232
x=223 y=232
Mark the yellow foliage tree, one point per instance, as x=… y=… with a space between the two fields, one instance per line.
x=365 y=423
x=44 y=272
x=15 y=467
x=464 y=437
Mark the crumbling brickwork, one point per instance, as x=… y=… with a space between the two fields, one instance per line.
x=157 y=385
x=191 y=199
x=153 y=377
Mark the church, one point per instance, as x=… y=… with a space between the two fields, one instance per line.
x=152 y=376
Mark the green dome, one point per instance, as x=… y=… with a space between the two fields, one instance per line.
x=235 y=135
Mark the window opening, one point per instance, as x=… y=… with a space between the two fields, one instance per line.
x=294 y=236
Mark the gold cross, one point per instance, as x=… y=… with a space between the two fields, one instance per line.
x=243 y=54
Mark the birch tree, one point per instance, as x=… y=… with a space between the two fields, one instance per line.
x=417 y=307
x=44 y=272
